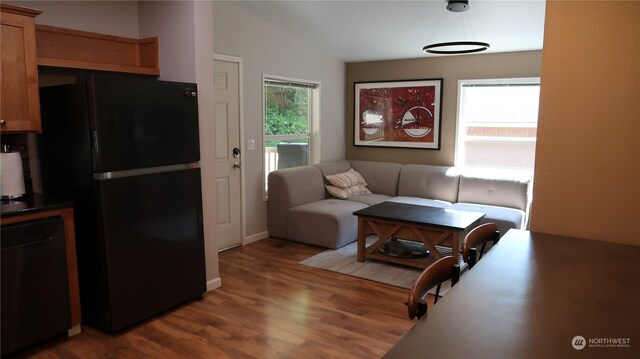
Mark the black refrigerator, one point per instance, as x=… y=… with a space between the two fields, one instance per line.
x=126 y=150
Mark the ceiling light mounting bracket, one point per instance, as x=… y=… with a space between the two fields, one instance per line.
x=458 y=5
x=456 y=47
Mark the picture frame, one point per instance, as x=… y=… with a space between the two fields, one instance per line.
x=405 y=114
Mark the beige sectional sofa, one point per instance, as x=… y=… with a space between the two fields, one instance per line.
x=300 y=208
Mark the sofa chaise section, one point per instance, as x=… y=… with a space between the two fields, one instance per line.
x=289 y=188
x=327 y=223
x=298 y=209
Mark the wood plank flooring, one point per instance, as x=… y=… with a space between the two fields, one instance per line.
x=269 y=306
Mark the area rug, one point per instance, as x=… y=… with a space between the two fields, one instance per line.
x=343 y=260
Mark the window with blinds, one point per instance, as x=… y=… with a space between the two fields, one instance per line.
x=288 y=122
x=497 y=123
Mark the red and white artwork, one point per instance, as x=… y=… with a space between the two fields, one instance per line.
x=398 y=114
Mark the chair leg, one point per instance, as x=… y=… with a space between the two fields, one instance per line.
x=472 y=257
x=421 y=310
x=482 y=249
x=455 y=276
x=496 y=237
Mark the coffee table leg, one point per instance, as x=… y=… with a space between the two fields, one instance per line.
x=361 y=239
x=455 y=246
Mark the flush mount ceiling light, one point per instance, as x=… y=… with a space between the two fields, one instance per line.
x=456 y=47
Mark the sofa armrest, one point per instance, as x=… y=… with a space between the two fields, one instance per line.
x=288 y=188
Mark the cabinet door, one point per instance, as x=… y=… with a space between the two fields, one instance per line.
x=20 y=101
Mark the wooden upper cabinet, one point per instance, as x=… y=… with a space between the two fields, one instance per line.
x=74 y=49
x=20 y=101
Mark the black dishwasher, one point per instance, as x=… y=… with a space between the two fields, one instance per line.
x=35 y=290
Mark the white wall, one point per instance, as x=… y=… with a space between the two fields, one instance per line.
x=265 y=48
x=173 y=23
x=203 y=35
x=185 y=31
x=118 y=18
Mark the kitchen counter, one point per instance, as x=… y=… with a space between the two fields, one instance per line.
x=32 y=203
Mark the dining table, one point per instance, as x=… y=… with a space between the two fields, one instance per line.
x=536 y=295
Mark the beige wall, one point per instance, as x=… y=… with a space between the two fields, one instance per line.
x=587 y=178
x=451 y=69
x=266 y=48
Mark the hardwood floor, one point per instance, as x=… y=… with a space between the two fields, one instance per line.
x=269 y=306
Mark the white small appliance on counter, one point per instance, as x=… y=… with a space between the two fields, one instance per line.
x=12 y=177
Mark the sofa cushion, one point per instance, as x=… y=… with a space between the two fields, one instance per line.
x=331 y=168
x=344 y=193
x=369 y=199
x=495 y=188
x=346 y=179
x=421 y=201
x=505 y=218
x=328 y=223
x=381 y=177
x=425 y=181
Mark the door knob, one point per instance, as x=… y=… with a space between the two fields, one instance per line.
x=237 y=165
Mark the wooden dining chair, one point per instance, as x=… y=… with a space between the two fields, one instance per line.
x=479 y=236
x=445 y=268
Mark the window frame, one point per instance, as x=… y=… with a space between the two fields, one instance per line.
x=461 y=136
x=313 y=115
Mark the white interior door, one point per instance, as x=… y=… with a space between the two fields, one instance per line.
x=228 y=156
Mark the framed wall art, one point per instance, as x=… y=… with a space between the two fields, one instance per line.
x=398 y=114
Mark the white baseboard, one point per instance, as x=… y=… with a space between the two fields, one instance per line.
x=217 y=282
x=75 y=330
x=214 y=284
x=255 y=237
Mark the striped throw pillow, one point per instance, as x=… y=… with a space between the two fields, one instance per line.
x=344 y=193
x=347 y=179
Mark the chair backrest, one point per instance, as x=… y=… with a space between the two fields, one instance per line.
x=479 y=236
x=441 y=270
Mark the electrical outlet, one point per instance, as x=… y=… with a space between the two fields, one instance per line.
x=251 y=144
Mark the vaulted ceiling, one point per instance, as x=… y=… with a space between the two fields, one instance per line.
x=376 y=30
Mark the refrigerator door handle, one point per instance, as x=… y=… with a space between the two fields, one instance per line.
x=144 y=171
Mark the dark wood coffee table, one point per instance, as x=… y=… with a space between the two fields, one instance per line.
x=428 y=225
